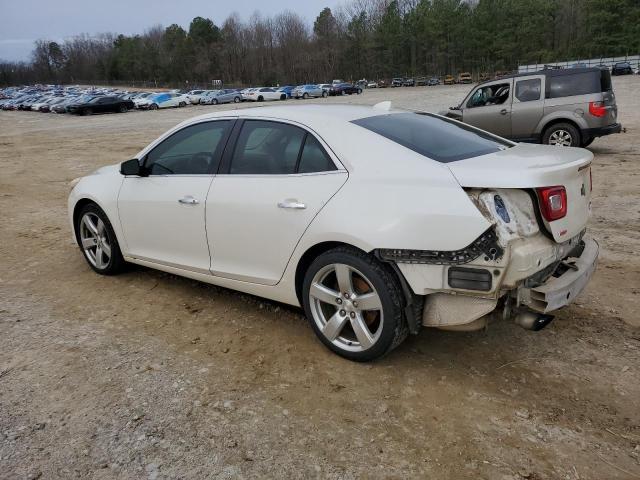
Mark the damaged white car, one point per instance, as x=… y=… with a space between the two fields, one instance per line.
x=377 y=222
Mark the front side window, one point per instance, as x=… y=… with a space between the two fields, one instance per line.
x=528 y=90
x=194 y=150
x=438 y=138
x=266 y=148
x=495 y=94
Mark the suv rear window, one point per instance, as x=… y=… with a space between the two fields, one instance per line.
x=579 y=84
x=434 y=137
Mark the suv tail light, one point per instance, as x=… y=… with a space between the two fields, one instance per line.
x=553 y=202
x=597 y=109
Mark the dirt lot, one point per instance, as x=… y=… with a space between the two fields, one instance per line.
x=147 y=375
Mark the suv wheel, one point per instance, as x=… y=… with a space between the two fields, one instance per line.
x=562 y=135
x=354 y=304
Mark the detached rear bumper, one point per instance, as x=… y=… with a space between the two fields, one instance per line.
x=560 y=291
x=602 y=131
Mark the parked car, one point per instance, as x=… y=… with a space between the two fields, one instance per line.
x=326 y=87
x=484 y=76
x=433 y=81
x=499 y=221
x=306 y=91
x=541 y=106
x=372 y=85
x=622 y=68
x=287 y=89
x=383 y=83
x=244 y=94
x=344 y=89
x=62 y=106
x=164 y=100
x=214 y=97
x=397 y=82
x=421 y=81
x=449 y=80
x=263 y=94
x=194 y=96
x=465 y=78
x=408 y=82
x=101 y=104
x=141 y=98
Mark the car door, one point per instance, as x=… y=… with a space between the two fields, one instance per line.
x=527 y=107
x=489 y=107
x=162 y=214
x=273 y=181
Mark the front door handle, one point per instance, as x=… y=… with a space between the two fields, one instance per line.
x=504 y=111
x=293 y=204
x=188 y=200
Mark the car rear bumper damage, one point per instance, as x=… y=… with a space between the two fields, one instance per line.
x=571 y=277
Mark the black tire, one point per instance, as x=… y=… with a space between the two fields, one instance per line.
x=236 y=99
x=182 y=104
x=260 y=99
x=556 y=129
x=283 y=97
x=359 y=91
x=116 y=263
x=87 y=111
x=123 y=109
x=393 y=327
x=324 y=94
x=587 y=141
x=305 y=95
x=214 y=101
x=153 y=106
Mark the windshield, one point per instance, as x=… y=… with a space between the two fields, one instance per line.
x=434 y=137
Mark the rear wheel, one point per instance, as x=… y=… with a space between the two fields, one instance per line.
x=305 y=95
x=587 y=141
x=324 y=94
x=354 y=304
x=182 y=104
x=283 y=97
x=98 y=241
x=562 y=135
x=87 y=111
x=214 y=101
x=260 y=98
x=153 y=106
x=123 y=109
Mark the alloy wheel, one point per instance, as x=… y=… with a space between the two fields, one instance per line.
x=94 y=240
x=346 y=307
x=560 y=138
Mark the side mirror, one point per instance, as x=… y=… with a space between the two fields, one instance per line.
x=132 y=167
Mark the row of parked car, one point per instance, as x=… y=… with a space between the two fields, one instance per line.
x=86 y=101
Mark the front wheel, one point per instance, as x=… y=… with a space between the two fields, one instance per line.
x=562 y=135
x=283 y=97
x=324 y=94
x=182 y=104
x=305 y=96
x=153 y=106
x=214 y=101
x=236 y=100
x=123 y=109
x=98 y=241
x=354 y=304
x=87 y=111
x=359 y=91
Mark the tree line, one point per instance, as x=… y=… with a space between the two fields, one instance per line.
x=361 y=39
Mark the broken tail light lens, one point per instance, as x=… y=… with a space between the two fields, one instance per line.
x=597 y=109
x=553 y=202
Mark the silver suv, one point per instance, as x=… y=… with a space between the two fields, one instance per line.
x=555 y=107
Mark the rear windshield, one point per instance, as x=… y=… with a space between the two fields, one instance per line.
x=579 y=84
x=438 y=138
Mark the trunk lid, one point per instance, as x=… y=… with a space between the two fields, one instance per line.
x=528 y=167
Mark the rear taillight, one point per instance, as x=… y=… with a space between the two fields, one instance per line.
x=553 y=202
x=597 y=109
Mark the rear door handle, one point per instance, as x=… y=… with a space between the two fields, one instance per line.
x=188 y=200
x=504 y=111
x=293 y=204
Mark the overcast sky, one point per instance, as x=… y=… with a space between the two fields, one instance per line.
x=24 y=21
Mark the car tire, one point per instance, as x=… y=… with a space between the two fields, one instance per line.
x=587 y=141
x=123 y=109
x=305 y=95
x=283 y=97
x=153 y=106
x=359 y=91
x=335 y=315
x=236 y=100
x=562 y=135
x=87 y=111
x=182 y=104
x=98 y=241
x=214 y=101
x=324 y=94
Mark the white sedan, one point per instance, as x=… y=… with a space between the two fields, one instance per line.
x=163 y=100
x=262 y=94
x=376 y=221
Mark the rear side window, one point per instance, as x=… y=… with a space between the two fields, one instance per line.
x=313 y=157
x=528 y=90
x=576 y=84
x=434 y=137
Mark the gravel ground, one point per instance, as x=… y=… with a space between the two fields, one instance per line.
x=147 y=375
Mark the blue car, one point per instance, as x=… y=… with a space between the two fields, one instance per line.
x=287 y=90
x=306 y=91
